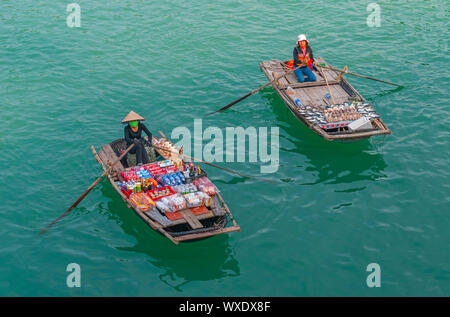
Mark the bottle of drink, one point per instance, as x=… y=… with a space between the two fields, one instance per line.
x=298 y=102
x=290 y=90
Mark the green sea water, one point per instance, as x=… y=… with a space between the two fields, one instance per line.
x=334 y=207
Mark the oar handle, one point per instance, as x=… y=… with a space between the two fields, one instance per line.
x=254 y=91
x=344 y=71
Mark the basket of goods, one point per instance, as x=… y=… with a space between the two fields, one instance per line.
x=205 y=185
x=158 y=193
x=141 y=201
x=171 y=203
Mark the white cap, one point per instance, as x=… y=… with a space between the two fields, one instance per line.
x=302 y=37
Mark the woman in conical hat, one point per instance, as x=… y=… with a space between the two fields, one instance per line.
x=133 y=134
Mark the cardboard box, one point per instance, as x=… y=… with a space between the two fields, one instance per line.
x=360 y=124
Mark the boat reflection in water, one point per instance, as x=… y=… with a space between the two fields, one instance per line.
x=204 y=260
x=329 y=162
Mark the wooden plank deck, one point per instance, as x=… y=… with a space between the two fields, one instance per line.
x=189 y=217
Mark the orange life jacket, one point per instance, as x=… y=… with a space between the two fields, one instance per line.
x=304 y=58
x=290 y=64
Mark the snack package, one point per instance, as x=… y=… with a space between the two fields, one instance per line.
x=171 y=169
x=165 y=163
x=141 y=201
x=162 y=206
x=205 y=185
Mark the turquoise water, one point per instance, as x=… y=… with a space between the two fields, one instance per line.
x=335 y=207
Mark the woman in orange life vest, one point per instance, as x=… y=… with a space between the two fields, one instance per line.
x=303 y=57
x=133 y=134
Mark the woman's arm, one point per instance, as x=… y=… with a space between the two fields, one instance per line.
x=150 y=136
x=126 y=132
x=311 y=54
x=296 y=62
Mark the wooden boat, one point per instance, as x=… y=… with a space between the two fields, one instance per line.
x=190 y=227
x=313 y=94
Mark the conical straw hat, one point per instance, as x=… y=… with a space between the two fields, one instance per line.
x=132 y=116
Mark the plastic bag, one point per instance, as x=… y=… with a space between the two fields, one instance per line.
x=185 y=188
x=205 y=185
x=193 y=200
x=197 y=199
x=174 y=202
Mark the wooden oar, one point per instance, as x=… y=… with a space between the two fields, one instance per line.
x=252 y=92
x=86 y=192
x=210 y=164
x=344 y=71
x=326 y=81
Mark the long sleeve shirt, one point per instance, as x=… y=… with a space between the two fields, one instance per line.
x=130 y=135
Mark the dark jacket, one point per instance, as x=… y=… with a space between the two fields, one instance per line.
x=130 y=135
x=298 y=50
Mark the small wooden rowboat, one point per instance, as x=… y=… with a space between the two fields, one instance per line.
x=313 y=94
x=188 y=228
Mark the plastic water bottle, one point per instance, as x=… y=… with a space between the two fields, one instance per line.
x=290 y=90
x=298 y=102
x=328 y=96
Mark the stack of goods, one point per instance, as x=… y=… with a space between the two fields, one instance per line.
x=171 y=203
x=171 y=179
x=205 y=185
x=185 y=188
x=141 y=201
x=154 y=169
x=337 y=116
x=197 y=199
x=169 y=151
x=129 y=176
x=129 y=188
x=137 y=180
x=161 y=190
x=171 y=169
